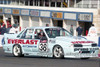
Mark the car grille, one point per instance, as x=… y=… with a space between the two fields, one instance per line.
x=85 y=51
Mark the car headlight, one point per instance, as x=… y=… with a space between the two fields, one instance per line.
x=94 y=45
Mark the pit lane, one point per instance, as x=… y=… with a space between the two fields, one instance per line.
x=7 y=60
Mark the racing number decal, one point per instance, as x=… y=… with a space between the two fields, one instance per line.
x=43 y=47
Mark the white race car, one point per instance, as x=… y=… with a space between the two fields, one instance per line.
x=49 y=42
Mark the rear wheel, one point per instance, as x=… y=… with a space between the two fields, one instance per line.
x=17 y=51
x=58 y=52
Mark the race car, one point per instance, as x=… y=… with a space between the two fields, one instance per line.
x=49 y=42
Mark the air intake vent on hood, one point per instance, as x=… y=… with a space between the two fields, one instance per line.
x=78 y=45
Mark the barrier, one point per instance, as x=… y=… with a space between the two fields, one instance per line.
x=1 y=36
x=99 y=41
x=99 y=46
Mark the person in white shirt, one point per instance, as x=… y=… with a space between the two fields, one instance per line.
x=14 y=29
x=92 y=31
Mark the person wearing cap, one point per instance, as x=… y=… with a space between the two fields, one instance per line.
x=14 y=29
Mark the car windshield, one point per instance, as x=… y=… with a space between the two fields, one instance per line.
x=55 y=32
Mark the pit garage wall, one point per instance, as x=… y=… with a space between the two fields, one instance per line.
x=68 y=23
x=34 y=21
x=45 y=21
x=25 y=21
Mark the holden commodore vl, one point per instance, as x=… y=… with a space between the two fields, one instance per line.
x=49 y=42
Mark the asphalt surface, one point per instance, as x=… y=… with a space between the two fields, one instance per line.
x=7 y=60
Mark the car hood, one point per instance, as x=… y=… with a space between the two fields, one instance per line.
x=73 y=39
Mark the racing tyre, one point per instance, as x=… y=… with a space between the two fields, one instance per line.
x=58 y=52
x=17 y=51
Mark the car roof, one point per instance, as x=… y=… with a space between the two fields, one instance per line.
x=41 y=27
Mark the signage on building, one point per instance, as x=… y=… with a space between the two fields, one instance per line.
x=57 y=14
x=1 y=10
x=70 y=16
x=7 y=10
x=24 y=12
x=85 y=17
x=34 y=13
x=45 y=13
x=15 y=11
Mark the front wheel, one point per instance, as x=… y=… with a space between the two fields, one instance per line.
x=58 y=52
x=17 y=51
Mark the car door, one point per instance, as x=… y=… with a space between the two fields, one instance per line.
x=43 y=44
x=29 y=43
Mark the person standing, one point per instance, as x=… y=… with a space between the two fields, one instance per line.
x=92 y=31
x=3 y=30
x=79 y=30
x=8 y=26
x=14 y=29
x=71 y=30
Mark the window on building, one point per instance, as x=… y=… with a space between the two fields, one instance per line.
x=65 y=3
x=71 y=3
x=17 y=2
x=5 y=1
x=85 y=4
x=46 y=2
x=41 y=2
x=1 y=1
x=26 y=2
x=94 y=4
x=21 y=2
x=79 y=3
x=58 y=3
x=36 y=2
x=9 y=1
x=53 y=3
x=13 y=2
x=31 y=2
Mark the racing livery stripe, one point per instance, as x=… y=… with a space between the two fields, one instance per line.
x=80 y=42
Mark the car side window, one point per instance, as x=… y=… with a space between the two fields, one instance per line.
x=39 y=34
x=27 y=34
x=20 y=33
